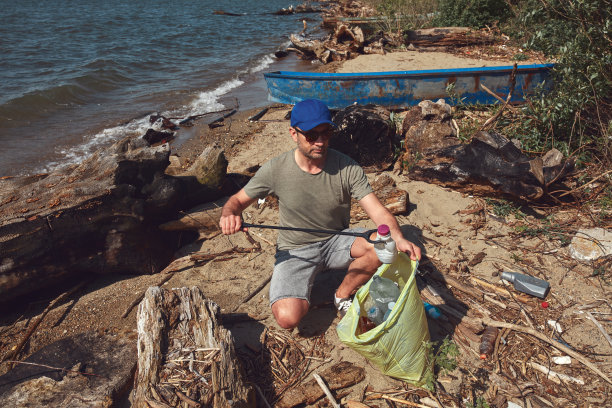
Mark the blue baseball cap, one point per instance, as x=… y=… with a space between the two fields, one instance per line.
x=309 y=114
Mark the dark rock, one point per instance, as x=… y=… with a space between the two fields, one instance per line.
x=281 y=54
x=153 y=137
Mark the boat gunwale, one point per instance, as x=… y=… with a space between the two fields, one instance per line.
x=457 y=72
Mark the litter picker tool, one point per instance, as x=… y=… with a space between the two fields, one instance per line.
x=366 y=235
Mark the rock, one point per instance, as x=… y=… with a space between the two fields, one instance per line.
x=209 y=168
x=153 y=137
x=365 y=134
x=591 y=244
x=110 y=359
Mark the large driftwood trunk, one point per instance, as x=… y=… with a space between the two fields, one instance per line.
x=101 y=216
x=492 y=165
x=101 y=369
x=205 y=218
x=365 y=134
x=179 y=338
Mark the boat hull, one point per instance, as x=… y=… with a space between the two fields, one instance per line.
x=399 y=89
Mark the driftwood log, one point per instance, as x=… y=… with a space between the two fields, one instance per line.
x=365 y=134
x=88 y=369
x=489 y=165
x=100 y=216
x=339 y=376
x=492 y=165
x=185 y=355
x=205 y=218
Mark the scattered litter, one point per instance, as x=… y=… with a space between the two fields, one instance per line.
x=555 y=326
x=562 y=360
x=527 y=284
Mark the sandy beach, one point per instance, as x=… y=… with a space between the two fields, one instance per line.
x=436 y=221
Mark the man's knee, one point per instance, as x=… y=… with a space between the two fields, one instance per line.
x=289 y=312
x=369 y=260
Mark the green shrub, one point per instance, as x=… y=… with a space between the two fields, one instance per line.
x=577 y=112
x=471 y=13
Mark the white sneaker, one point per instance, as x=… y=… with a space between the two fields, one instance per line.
x=342 y=304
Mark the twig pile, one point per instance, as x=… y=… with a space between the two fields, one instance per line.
x=185 y=375
x=288 y=361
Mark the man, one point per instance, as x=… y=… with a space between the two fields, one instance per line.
x=314 y=185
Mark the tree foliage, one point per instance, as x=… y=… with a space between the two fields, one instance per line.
x=577 y=34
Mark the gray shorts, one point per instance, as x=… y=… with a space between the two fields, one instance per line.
x=295 y=269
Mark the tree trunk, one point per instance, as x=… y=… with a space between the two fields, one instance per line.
x=181 y=342
x=100 y=216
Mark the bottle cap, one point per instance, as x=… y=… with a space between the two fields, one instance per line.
x=391 y=305
x=383 y=229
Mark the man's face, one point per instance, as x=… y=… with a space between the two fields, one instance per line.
x=313 y=144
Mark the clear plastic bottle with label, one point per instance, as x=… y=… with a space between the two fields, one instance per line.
x=375 y=315
x=385 y=248
x=383 y=291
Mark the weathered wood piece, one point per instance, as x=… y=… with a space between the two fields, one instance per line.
x=339 y=376
x=489 y=164
x=107 y=361
x=100 y=216
x=446 y=36
x=181 y=342
x=204 y=218
x=393 y=198
x=365 y=134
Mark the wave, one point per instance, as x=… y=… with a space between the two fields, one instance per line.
x=100 y=78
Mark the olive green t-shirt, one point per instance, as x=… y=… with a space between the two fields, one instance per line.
x=317 y=201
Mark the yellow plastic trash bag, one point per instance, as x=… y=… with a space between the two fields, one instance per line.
x=396 y=346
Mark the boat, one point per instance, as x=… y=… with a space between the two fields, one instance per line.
x=400 y=89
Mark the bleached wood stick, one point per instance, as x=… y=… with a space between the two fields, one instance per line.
x=555 y=376
x=490 y=322
x=599 y=326
x=326 y=390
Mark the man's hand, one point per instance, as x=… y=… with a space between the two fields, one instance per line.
x=230 y=224
x=231 y=214
x=408 y=247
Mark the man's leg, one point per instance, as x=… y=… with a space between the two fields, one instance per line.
x=360 y=270
x=292 y=280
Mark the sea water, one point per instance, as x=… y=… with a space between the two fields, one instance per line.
x=79 y=74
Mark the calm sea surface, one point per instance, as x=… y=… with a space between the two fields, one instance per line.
x=78 y=74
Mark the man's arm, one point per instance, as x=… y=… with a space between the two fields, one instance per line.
x=231 y=220
x=380 y=215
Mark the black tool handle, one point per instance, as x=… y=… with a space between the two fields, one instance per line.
x=366 y=235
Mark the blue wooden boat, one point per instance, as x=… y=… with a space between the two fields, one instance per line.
x=400 y=89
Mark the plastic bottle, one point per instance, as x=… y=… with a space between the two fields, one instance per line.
x=487 y=341
x=432 y=311
x=385 y=249
x=375 y=315
x=390 y=307
x=383 y=291
x=527 y=284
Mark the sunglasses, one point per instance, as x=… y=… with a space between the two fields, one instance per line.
x=312 y=135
